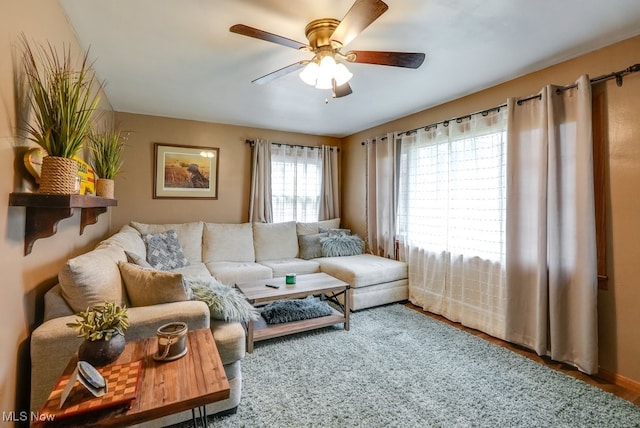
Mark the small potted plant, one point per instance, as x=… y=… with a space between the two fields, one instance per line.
x=102 y=327
x=63 y=98
x=107 y=150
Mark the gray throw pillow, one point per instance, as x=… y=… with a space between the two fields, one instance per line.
x=310 y=246
x=225 y=303
x=335 y=231
x=164 y=251
x=341 y=245
x=282 y=311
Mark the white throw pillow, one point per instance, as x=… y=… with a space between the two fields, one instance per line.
x=227 y=243
x=127 y=238
x=273 y=241
x=93 y=278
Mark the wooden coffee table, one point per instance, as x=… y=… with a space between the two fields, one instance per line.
x=165 y=387
x=306 y=285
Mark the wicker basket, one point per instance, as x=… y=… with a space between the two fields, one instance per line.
x=59 y=176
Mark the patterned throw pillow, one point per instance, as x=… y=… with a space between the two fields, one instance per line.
x=164 y=251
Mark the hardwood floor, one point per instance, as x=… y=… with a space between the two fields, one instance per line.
x=627 y=394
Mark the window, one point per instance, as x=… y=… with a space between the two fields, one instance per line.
x=452 y=190
x=296 y=177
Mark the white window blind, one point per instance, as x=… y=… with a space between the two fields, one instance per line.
x=296 y=177
x=452 y=190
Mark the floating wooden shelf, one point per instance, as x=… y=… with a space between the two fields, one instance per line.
x=44 y=211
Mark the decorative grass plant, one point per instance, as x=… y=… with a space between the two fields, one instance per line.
x=63 y=98
x=107 y=150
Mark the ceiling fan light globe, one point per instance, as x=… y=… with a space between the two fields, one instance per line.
x=342 y=74
x=324 y=82
x=309 y=73
x=328 y=65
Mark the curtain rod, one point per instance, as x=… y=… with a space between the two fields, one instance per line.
x=252 y=143
x=618 y=75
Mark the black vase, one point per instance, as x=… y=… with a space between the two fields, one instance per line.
x=101 y=352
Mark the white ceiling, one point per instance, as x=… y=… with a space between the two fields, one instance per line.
x=177 y=58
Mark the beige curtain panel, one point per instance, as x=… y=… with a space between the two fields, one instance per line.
x=260 y=209
x=330 y=189
x=551 y=245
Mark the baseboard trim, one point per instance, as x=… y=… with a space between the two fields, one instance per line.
x=619 y=380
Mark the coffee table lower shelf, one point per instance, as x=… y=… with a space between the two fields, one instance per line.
x=264 y=331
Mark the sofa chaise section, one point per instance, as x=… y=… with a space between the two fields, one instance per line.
x=374 y=280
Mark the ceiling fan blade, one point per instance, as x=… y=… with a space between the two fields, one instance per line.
x=359 y=17
x=245 y=30
x=394 y=59
x=342 y=90
x=279 y=73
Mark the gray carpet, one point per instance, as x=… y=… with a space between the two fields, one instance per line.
x=398 y=368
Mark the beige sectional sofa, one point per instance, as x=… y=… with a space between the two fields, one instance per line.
x=232 y=253
x=235 y=253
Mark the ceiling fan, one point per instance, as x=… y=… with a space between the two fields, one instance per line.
x=326 y=37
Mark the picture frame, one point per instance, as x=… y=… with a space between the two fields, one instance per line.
x=185 y=172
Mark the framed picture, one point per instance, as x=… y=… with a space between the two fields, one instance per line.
x=185 y=172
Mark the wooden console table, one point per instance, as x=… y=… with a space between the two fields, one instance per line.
x=166 y=387
x=44 y=211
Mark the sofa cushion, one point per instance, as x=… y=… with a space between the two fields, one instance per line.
x=314 y=227
x=189 y=235
x=227 y=243
x=363 y=269
x=238 y=272
x=54 y=304
x=294 y=265
x=93 y=278
x=194 y=271
x=310 y=245
x=147 y=287
x=128 y=239
x=273 y=241
x=164 y=251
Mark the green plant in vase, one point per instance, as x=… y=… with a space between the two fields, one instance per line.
x=107 y=157
x=63 y=98
x=102 y=327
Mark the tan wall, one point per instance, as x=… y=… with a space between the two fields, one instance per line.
x=134 y=187
x=24 y=278
x=619 y=316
